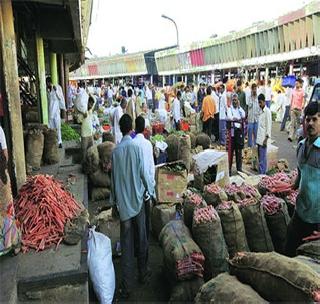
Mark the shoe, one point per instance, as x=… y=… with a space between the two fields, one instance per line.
x=144 y=278
x=60 y=146
x=289 y=139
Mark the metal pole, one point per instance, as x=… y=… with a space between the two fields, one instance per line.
x=177 y=32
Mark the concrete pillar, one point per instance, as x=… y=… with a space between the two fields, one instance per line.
x=173 y=79
x=11 y=89
x=163 y=81
x=186 y=79
x=212 y=77
x=199 y=78
x=277 y=71
x=54 y=68
x=42 y=79
x=229 y=75
x=291 y=69
x=267 y=75
x=151 y=79
x=246 y=75
x=194 y=78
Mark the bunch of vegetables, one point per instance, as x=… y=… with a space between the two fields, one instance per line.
x=69 y=133
x=292 y=197
x=225 y=205
x=278 y=183
x=205 y=215
x=192 y=197
x=157 y=137
x=177 y=167
x=43 y=207
x=213 y=188
x=271 y=204
x=246 y=202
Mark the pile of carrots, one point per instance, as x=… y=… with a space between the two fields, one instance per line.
x=43 y=207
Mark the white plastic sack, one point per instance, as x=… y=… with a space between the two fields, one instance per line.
x=100 y=266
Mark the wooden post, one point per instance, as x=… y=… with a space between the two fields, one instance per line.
x=42 y=79
x=11 y=89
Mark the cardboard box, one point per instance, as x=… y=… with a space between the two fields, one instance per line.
x=272 y=157
x=170 y=185
x=207 y=159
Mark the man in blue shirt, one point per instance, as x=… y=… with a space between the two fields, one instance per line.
x=130 y=180
x=306 y=219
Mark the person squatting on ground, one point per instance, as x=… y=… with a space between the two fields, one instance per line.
x=306 y=218
x=264 y=133
x=235 y=117
x=129 y=182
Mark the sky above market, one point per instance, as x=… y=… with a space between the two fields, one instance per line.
x=137 y=24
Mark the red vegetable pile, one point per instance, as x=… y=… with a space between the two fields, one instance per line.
x=292 y=197
x=43 y=207
x=193 y=197
x=278 y=183
x=271 y=204
x=232 y=189
x=246 y=202
x=191 y=264
x=294 y=175
x=212 y=188
x=225 y=205
x=205 y=215
x=250 y=190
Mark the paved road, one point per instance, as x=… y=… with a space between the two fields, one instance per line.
x=287 y=149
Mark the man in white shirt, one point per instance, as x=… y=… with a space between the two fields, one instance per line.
x=81 y=101
x=222 y=115
x=87 y=128
x=176 y=111
x=269 y=94
x=119 y=111
x=149 y=97
x=55 y=99
x=147 y=152
x=286 y=106
x=263 y=134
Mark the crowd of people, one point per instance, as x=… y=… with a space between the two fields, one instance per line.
x=229 y=113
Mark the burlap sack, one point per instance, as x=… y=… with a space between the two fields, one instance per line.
x=310 y=249
x=277 y=225
x=214 y=199
x=105 y=151
x=173 y=143
x=277 y=278
x=100 y=179
x=203 y=140
x=227 y=289
x=188 y=209
x=193 y=140
x=310 y=262
x=50 y=151
x=106 y=136
x=257 y=232
x=185 y=151
x=185 y=292
x=160 y=216
x=34 y=147
x=92 y=161
x=180 y=250
x=100 y=193
x=209 y=237
x=233 y=229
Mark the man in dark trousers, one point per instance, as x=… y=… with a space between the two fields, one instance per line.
x=306 y=219
x=129 y=181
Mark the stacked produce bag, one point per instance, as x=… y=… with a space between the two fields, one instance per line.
x=98 y=166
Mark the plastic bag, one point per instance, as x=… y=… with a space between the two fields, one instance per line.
x=100 y=265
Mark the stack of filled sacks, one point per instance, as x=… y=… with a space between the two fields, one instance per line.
x=183 y=260
x=98 y=166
